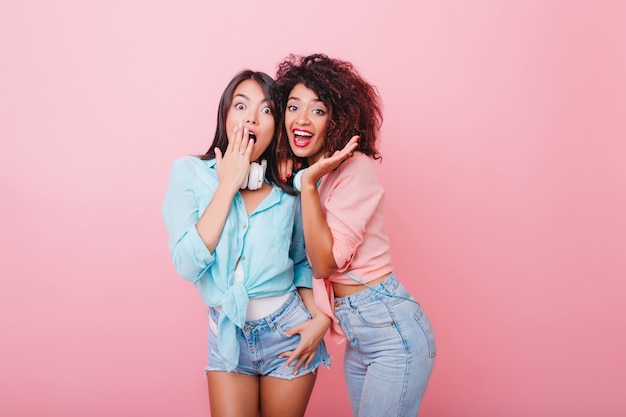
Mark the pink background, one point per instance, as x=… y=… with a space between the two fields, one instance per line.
x=504 y=162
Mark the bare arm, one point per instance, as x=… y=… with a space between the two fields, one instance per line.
x=317 y=235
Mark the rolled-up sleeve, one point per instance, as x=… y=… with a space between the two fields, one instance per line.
x=303 y=274
x=189 y=254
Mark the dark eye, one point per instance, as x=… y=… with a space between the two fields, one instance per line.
x=266 y=110
x=240 y=106
x=292 y=107
x=319 y=112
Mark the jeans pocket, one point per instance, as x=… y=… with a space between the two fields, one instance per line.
x=298 y=315
x=375 y=315
x=424 y=323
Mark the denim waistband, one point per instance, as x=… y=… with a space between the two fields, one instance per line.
x=273 y=320
x=388 y=285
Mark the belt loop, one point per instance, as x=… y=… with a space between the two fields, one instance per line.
x=389 y=284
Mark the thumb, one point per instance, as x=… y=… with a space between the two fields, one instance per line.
x=294 y=330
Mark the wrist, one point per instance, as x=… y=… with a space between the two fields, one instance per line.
x=318 y=315
x=303 y=182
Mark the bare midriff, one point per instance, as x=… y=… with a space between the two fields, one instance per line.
x=344 y=290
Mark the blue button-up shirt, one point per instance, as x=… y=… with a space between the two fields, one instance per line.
x=269 y=244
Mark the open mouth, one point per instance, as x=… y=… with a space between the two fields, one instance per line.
x=252 y=136
x=301 y=138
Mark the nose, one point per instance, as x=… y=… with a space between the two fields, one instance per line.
x=302 y=118
x=251 y=118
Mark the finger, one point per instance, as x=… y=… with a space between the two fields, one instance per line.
x=286 y=354
x=231 y=140
x=299 y=365
x=347 y=150
x=249 y=147
x=352 y=144
x=293 y=355
x=282 y=170
x=309 y=360
x=293 y=330
x=354 y=140
x=240 y=132
x=218 y=156
x=245 y=135
x=289 y=167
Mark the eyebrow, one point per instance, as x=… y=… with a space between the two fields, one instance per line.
x=315 y=100
x=242 y=95
x=265 y=101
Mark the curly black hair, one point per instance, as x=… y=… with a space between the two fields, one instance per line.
x=354 y=105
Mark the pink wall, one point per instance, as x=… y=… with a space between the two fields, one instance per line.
x=504 y=161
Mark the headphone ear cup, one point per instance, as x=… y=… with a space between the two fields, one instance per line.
x=297 y=180
x=253 y=176
x=244 y=184
x=256 y=175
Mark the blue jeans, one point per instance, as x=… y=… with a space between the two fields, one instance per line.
x=261 y=341
x=390 y=350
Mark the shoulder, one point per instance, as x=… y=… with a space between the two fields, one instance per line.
x=191 y=161
x=192 y=164
x=358 y=165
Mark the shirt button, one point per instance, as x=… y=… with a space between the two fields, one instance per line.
x=243 y=258
x=244 y=226
x=337 y=303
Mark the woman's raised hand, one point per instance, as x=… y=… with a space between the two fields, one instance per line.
x=328 y=163
x=233 y=166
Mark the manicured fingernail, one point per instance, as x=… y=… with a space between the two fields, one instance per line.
x=284 y=180
x=289 y=175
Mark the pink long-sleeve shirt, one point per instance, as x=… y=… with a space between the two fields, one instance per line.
x=353 y=204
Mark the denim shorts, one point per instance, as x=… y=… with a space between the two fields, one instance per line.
x=261 y=341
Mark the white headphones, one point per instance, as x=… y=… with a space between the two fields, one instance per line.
x=297 y=180
x=255 y=177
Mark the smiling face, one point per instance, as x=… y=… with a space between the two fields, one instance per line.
x=306 y=122
x=250 y=107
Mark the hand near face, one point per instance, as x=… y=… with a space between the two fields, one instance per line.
x=233 y=166
x=324 y=165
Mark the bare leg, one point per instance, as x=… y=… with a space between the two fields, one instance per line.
x=233 y=395
x=286 y=398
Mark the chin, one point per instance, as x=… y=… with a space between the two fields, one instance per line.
x=299 y=152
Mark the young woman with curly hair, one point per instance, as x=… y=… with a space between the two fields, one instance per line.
x=331 y=125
